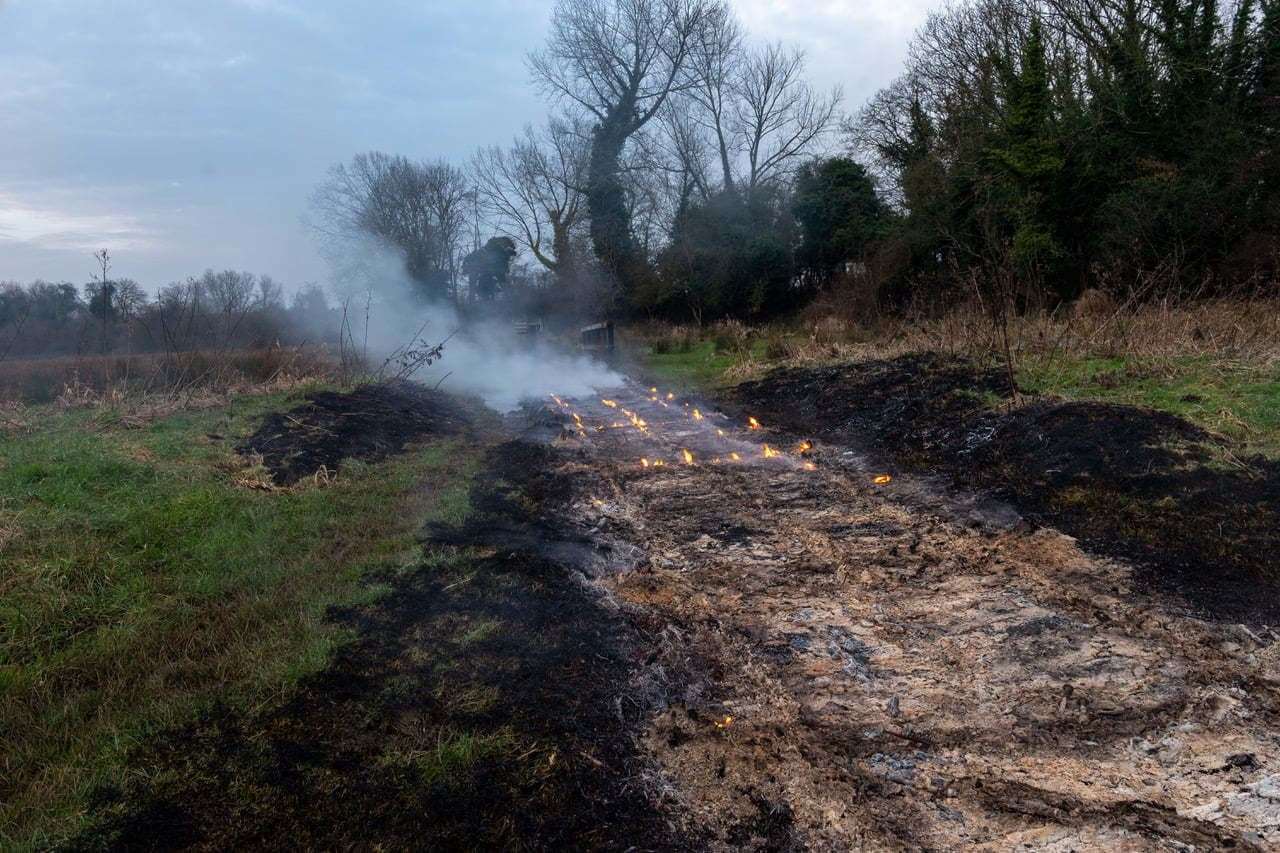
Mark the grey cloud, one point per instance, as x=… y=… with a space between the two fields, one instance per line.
x=204 y=123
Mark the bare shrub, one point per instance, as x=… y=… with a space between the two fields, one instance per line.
x=1093 y=303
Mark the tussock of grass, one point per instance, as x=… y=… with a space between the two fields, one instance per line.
x=141 y=579
x=452 y=758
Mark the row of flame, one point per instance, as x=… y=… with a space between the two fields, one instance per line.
x=640 y=424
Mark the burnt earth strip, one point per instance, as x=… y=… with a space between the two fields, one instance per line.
x=331 y=767
x=371 y=423
x=1128 y=482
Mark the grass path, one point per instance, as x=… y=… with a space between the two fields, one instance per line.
x=145 y=573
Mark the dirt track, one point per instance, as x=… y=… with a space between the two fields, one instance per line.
x=845 y=665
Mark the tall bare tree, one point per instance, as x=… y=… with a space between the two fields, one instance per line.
x=620 y=61
x=750 y=105
x=778 y=115
x=417 y=208
x=534 y=191
x=717 y=60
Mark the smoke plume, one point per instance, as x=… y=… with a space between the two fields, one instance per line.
x=485 y=358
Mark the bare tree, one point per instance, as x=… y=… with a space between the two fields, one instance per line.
x=620 y=61
x=417 y=208
x=750 y=108
x=101 y=293
x=778 y=115
x=717 y=61
x=534 y=190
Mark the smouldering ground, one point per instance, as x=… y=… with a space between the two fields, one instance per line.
x=853 y=664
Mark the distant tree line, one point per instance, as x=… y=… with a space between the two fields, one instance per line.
x=1030 y=150
x=216 y=310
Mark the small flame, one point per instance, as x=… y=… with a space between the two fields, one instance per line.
x=724 y=722
x=883 y=480
x=610 y=403
x=644 y=463
x=697 y=416
x=670 y=396
x=805 y=446
x=688 y=457
x=735 y=457
x=769 y=452
x=720 y=433
x=653 y=390
x=658 y=463
x=753 y=423
x=809 y=466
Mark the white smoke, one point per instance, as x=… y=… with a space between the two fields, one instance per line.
x=486 y=358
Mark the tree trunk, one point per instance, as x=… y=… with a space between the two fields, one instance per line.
x=606 y=200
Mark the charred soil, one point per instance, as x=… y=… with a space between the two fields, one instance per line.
x=1127 y=481
x=370 y=423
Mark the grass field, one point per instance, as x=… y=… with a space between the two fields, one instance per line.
x=145 y=572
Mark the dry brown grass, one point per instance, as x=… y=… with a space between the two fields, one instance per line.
x=13 y=418
x=87 y=379
x=1160 y=336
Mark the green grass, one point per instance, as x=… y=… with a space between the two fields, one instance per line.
x=454 y=756
x=700 y=368
x=1240 y=402
x=139 y=581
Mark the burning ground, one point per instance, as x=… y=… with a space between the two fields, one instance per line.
x=660 y=627
x=850 y=662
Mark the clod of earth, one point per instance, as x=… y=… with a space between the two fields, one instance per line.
x=369 y=424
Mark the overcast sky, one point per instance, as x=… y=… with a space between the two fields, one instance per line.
x=185 y=134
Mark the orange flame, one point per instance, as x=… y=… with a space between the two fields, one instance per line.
x=735 y=457
x=769 y=452
x=809 y=466
x=610 y=403
x=720 y=433
x=883 y=480
x=653 y=390
x=725 y=722
x=688 y=457
x=644 y=463
x=805 y=446
x=753 y=423
x=697 y=416
x=670 y=396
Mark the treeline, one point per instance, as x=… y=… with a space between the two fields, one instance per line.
x=1031 y=150
x=1059 y=145
x=676 y=177
x=213 y=311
